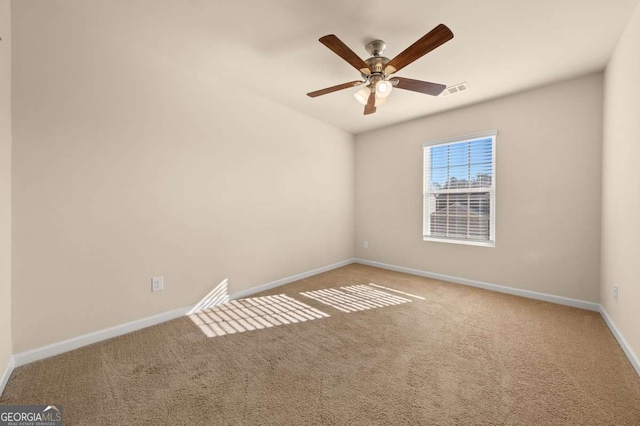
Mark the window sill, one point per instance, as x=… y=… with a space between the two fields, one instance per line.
x=463 y=242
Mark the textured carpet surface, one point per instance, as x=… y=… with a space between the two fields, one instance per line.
x=461 y=356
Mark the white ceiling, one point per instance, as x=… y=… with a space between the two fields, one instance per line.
x=272 y=48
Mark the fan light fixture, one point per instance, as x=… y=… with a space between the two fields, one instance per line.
x=380 y=101
x=362 y=95
x=383 y=89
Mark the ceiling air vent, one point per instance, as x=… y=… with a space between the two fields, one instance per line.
x=456 y=88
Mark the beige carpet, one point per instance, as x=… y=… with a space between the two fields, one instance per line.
x=462 y=356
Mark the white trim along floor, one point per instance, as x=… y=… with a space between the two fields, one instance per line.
x=67 y=345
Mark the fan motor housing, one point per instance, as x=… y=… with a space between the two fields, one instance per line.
x=377 y=63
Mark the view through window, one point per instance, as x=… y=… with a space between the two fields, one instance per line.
x=459 y=190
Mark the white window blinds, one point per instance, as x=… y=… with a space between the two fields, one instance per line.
x=459 y=190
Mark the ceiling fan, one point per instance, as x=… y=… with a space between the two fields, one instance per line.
x=377 y=71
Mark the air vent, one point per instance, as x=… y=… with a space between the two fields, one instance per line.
x=456 y=88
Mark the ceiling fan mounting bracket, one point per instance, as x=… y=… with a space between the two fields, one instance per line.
x=376 y=47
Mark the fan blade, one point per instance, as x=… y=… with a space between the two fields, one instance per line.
x=434 y=38
x=342 y=50
x=418 y=86
x=335 y=88
x=370 y=107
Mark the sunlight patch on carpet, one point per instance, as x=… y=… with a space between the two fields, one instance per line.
x=355 y=298
x=398 y=291
x=217 y=296
x=253 y=313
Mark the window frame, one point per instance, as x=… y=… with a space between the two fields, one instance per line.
x=426 y=191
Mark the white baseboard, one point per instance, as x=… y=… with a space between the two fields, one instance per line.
x=43 y=352
x=6 y=374
x=633 y=358
x=591 y=306
x=97 y=336
x=273 y=284
x=37 y=354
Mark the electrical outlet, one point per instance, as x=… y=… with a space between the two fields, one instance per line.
x=366 y=244
x=615 y=293
x=157 y=283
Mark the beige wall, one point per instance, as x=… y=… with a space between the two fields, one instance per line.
x=547 y=191
x=5 y=184
x=621 y=186
x=128 y=165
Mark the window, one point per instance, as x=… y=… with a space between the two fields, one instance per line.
x=459 y=190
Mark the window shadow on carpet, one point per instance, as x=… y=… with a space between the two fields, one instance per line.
x=254 y=313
